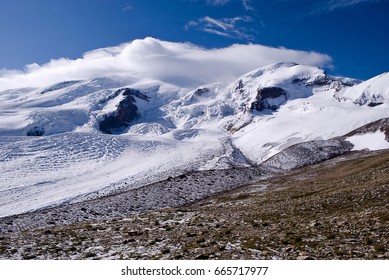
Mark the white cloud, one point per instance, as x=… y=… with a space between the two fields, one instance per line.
x=217 y=2
x=128 y=8
x=338 y=4
x=183 y=64
x=228 y=27
x=332 y=5
x=248 y=5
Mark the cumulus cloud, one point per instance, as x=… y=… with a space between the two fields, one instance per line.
x=182 y=64
x=233 y=28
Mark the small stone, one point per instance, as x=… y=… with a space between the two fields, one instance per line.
x=159 y=239
x=288 y=249
x=314 y=224
x=202 y=257
x=303 y=258
x=134 y=233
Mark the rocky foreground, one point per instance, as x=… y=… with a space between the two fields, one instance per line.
x=338 y=209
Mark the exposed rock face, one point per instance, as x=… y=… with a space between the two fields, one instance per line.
x=125 y=113
x=240 y=87
x=201 y=91
x=370 y=100
x=36 y=131
x=269 y=98
x=307 y=153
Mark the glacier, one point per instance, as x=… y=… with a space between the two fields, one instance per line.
x=54 y=150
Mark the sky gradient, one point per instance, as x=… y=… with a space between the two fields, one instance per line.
x=352 y=32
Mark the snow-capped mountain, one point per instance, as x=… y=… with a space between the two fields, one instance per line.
x=80 y=139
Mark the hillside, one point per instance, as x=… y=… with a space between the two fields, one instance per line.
x=337 y=209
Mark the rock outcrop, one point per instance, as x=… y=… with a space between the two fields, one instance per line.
x=126 y=112
x=269 y=98
x=201 y=91
x=369 y=100
x=36 y=131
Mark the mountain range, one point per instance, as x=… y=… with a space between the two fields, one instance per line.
x=82 y=139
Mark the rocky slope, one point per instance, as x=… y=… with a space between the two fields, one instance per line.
x=334 y=210
x=381 y=125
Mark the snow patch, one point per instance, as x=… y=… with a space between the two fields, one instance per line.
x=371 y=141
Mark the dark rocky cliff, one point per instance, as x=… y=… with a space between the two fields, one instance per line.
x=126 y=112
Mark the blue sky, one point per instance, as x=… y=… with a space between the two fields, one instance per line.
x=352 y=32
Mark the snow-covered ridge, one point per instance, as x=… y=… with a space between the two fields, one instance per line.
x=271 y=86
x=88 y=138
x=372 y=93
